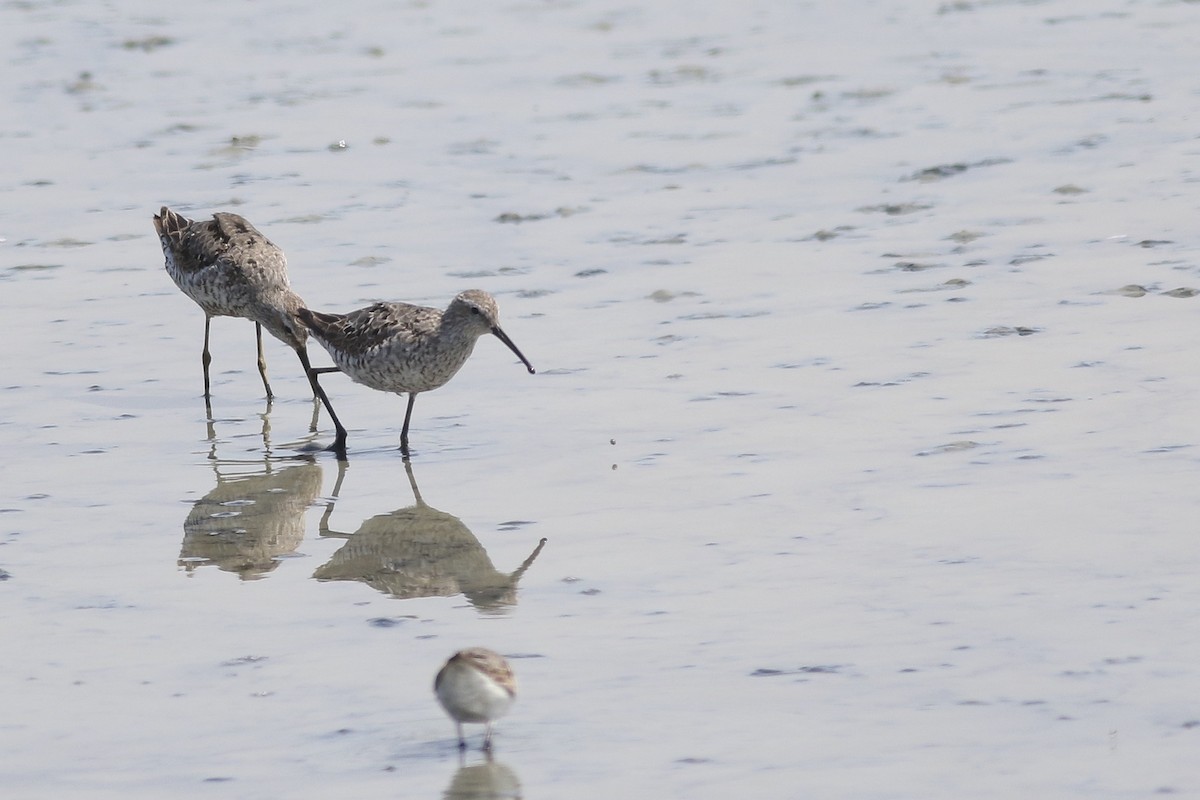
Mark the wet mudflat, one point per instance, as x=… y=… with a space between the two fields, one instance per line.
x=863 y=439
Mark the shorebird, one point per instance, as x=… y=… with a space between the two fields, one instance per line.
x=231 y=270
x=476 y=685
x=402 y=348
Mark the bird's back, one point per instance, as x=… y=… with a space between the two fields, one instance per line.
x=368 y=328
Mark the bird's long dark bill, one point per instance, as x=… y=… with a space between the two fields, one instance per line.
x=502 y=336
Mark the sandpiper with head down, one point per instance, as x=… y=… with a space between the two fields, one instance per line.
x=407 y=349
x=231 y=270
x=476 y=685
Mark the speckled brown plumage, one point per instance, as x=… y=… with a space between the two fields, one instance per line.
x=230 y=269
x=403 y=348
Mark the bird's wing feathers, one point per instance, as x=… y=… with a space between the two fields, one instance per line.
x=374 y=325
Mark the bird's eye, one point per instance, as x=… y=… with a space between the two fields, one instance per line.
x=475 y=311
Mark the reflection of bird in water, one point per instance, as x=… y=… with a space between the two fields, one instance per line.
x=485 y=781
x=231 y=270
x=250 y=519
x=419 y=551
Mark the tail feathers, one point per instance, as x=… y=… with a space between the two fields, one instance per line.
x=168 y=223
x=316 y=321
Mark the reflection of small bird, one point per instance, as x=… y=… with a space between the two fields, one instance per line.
x=485 y=779
x=476 y=685
x=402 y=348
x=231 y=270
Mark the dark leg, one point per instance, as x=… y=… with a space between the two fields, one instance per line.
x=462 y=743
x=339 y=442
x=206 y=357
x=317 y=400
x=412 y=396
x=487 y=739
x=262 y=360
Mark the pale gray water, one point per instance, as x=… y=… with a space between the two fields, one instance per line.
x=863 y=470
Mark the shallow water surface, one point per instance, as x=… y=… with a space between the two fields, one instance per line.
x=860 y=461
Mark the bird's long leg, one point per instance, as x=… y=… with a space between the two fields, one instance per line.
x=205 y=356
x=317 y=400
x=262 y=361
x=487 y=738
x=339 y=442
x=412 y=397
x=462 y=743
